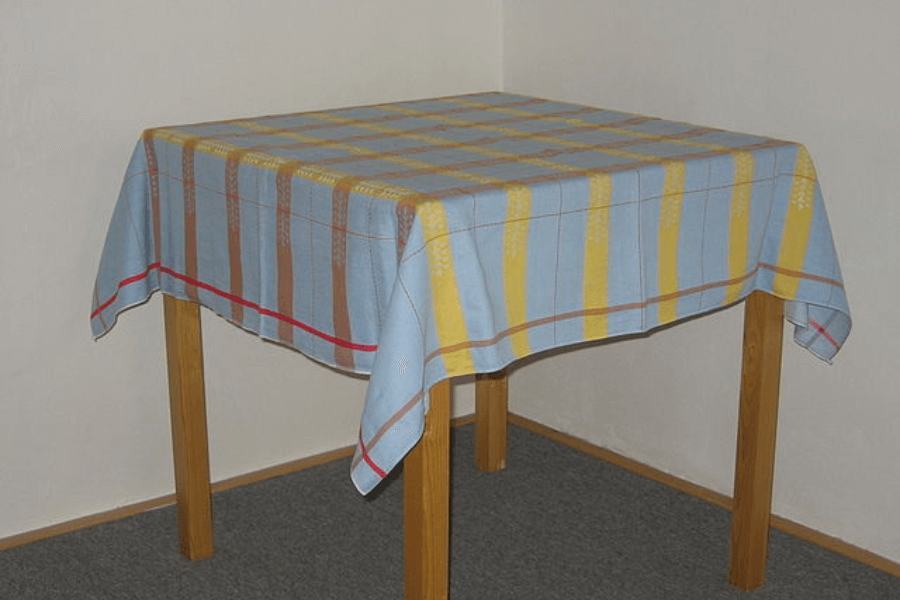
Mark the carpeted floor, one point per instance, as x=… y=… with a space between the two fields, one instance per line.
x=556 y=524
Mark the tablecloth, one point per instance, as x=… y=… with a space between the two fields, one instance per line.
x=421 y=240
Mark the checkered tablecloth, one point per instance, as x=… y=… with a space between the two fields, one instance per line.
x=416 y=241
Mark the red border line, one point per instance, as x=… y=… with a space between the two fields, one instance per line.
x=824 y=333
x=233 y=298
x=122 y=284
x=365 y=454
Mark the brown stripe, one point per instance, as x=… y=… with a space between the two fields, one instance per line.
x=622 y=307
x=387 y=426
x=153 y=176
x=386 y=117
x=190 y=217
x=406 y=214
x=545 y=154
x=439 y=127
x=563 y=175
x=491 y=139
x=474 y=188
x=485 y=141
x=371 y=154
x=408 y=132
x=233 y=208
x=340 y=200
x=801 y=275
x=374 y=155
x=283 y=254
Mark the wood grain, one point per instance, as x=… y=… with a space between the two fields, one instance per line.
x=491 y=403
x=757 y=424
x=190 y=447
x=426 y=485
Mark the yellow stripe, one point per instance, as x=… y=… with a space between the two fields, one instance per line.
x=515 y=259
x=324 y=175
x=403 y=161
x=450 y=322
x=739 y=223
x=596 y=257
x=330 y=176
x=669 y=224
x=514 y=133
x=483 y=151
x=797 y=224
x=588 y=125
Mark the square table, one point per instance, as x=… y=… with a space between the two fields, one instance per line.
x=423 y=240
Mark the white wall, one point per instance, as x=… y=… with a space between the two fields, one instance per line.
x=822 y=72
x=84 y=425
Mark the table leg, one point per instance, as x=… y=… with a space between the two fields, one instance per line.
x=184 y=350
x=426 y=486
x=757 y=423
x=490 y=421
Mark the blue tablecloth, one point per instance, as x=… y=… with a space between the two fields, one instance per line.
x=416 y=241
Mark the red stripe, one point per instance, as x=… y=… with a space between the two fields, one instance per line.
x=234 y=298
x=368 y=460
x=824 y=333
x=122 y=284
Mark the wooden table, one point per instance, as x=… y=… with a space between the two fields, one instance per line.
x=454 y=236
x=426 y=468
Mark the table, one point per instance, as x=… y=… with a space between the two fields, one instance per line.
x=419 y=241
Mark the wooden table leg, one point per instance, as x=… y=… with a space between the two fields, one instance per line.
x=426 y=488
x=490 y=421
x=184 y=350
x=757 y=423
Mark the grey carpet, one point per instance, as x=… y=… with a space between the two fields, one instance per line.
x=556 y=524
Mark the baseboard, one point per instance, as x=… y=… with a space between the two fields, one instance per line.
x=218 y=486
x=786 y=525
x=115 y=514
x=801 y=531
